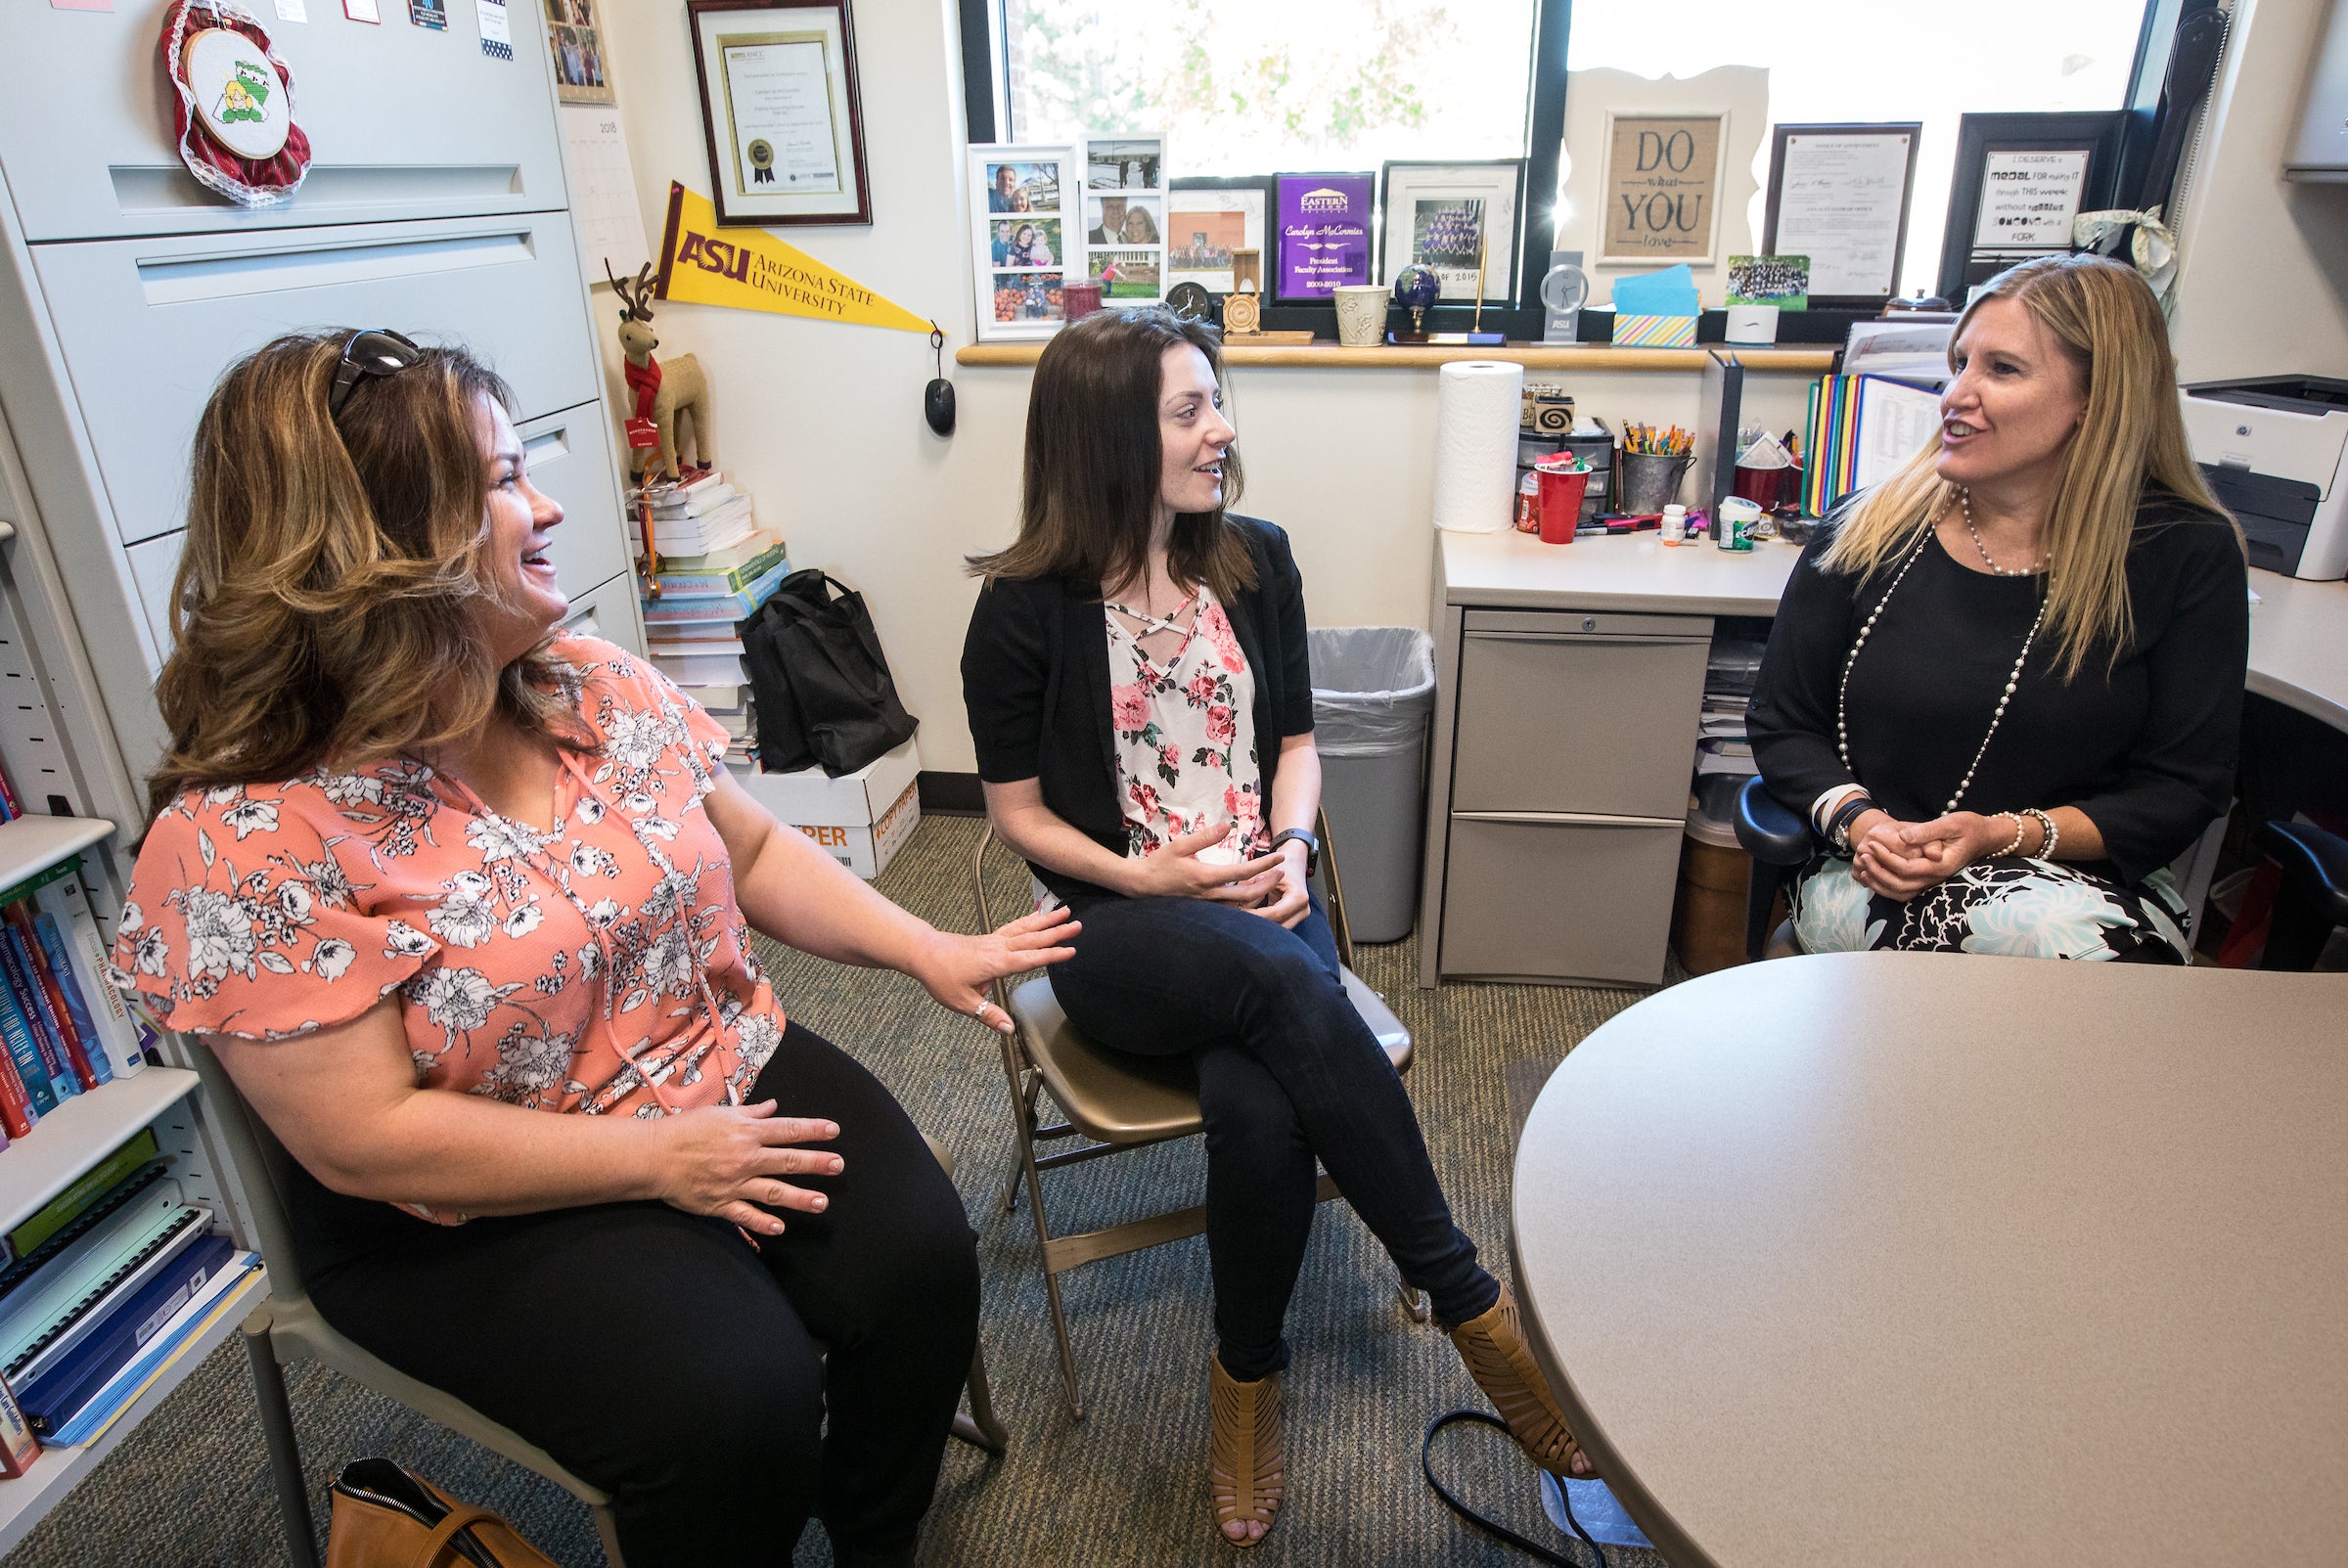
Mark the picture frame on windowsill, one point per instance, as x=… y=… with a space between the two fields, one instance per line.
x=1458 y=219
x=1227 y=215
x=1026 y=240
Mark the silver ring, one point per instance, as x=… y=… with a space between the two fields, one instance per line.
x=979 y=1012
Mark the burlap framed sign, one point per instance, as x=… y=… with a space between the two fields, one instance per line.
x=1662 y=187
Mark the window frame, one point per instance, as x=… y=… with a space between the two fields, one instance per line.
x=986 y=87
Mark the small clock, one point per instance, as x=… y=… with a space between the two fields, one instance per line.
x=1191 y=302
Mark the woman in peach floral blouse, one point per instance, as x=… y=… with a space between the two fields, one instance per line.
x=464 y=905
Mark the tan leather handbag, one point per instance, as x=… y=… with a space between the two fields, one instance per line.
x=385 y=1516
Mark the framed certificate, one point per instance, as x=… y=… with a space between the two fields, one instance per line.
x=780 y=107
x=2019 y=182
x=1838 y=194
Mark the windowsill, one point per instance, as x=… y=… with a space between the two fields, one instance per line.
x=1533 y=356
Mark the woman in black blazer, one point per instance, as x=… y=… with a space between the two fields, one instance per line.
x=1139 y=693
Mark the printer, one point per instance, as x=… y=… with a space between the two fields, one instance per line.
x=2275 y=448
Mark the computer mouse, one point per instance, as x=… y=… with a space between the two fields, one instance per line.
x=938 y=406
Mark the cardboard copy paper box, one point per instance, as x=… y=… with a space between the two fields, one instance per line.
x=862 y=818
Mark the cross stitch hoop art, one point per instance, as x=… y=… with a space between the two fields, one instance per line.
x=234 y=109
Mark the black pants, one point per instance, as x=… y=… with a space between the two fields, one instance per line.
x=655 y=1355
x=1287 y=1071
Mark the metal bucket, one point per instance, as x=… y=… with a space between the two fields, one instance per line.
x=1651 y=481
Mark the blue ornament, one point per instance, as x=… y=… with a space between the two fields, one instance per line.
x=1417 y=287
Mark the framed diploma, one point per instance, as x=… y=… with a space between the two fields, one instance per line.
x=1838 y=194
x=779 y=105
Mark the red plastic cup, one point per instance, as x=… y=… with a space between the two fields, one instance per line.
x=1561 y=493
x=1769 y=487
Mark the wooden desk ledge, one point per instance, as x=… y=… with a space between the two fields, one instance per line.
x=1807 y=361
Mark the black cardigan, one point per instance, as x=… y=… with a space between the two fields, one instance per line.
x=2146 y=751
x=1035 y=682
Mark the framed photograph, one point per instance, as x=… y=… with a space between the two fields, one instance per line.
x=578 y=42
x=1122 y=216
x=1324 y=236
x=1459 y=219
x=1663 y=178
x=1208 y=221
x=1838 y=194
x=780 y=110
x=1027 y=206
x=2020 y=181
x=1121 y=219
x=1125 y=163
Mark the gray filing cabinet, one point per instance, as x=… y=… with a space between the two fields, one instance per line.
x=1569 y=744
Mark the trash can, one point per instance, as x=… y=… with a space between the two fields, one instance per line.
x=1374 y=687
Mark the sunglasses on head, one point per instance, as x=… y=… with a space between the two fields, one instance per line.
x=375 y=352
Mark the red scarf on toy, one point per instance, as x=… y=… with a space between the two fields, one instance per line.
x=643 y=434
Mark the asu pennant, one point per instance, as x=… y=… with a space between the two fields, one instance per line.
x=749 y=269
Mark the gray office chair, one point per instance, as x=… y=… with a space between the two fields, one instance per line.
x=1115 y=1101
x=287 y=1327
x=1780 y=842
x=2313 y=898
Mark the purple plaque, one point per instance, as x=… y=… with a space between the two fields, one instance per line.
x=1324 y=233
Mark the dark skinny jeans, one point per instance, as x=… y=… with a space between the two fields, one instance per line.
x=1287 y=1071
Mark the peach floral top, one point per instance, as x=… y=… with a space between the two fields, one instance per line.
x=602 y=967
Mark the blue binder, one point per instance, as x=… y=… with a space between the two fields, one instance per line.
x=59 y=1392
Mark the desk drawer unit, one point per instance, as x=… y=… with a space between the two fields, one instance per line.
x=1569 y=792
x=1578 y=713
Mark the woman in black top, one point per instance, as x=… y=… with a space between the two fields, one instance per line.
x=1139 y=698
x=2005 y=687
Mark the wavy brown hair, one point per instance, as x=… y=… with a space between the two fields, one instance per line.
x=328 y=603
x=1089 y=494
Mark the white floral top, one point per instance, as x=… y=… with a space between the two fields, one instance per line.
x=1186 y=738
x=602 y=967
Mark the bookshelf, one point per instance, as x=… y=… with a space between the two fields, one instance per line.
x=31 y=845
x=26 y=1500
x=75 y=1136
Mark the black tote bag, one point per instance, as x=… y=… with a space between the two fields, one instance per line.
x=818 y=678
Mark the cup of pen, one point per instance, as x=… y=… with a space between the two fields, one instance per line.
x=1651 y=480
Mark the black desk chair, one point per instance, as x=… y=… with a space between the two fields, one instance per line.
x=1780 y=843
x=2314 y=897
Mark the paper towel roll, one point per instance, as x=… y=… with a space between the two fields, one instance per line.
x=1477 y=405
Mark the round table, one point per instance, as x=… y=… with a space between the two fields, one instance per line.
x=1907 y=1258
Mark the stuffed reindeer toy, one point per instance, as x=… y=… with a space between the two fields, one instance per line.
x=663 y=397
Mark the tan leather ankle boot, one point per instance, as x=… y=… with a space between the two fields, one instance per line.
x=1502 y=1363
x=1244 y=1475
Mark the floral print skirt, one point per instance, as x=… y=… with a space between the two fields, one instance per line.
x=2010 y=905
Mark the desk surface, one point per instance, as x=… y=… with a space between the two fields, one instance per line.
x=1906 y=1258
x=2298 y=630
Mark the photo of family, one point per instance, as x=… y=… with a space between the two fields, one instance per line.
x=1202 y=242
x=578 y=51
x=1122 y=219
x=1126 y=164
x=1028 y=296
x=1022 y=186
x=1124 y=273
x=1027 y=243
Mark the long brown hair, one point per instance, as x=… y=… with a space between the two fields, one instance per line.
x=2108 y=324
x=327 y=604
x=1090 y=490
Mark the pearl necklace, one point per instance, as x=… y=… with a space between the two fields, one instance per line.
x=1965 y=499
x=1842 y=728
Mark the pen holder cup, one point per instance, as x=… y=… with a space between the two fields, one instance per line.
x=1649 y=482
x=1560 y=502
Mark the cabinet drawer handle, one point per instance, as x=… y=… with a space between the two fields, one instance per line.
x=1618 y=639
x=1568 y=818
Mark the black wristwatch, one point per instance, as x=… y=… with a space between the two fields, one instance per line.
x=1312 y=847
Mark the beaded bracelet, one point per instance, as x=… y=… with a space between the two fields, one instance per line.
x=2053 y=835
x=2018 y=829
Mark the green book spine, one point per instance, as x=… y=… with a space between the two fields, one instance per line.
x=94 y=1183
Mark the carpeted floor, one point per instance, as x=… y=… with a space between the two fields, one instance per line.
x=1127 y=1485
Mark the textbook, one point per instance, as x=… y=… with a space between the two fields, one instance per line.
x=48 y=1307
x=25 y=1055
x=741 y=552
x=677 y=584
x=125 y=1386
x=92 y=1186
x=56 y=1394
x=70 y=903
x=672 y=609
x=42 y=1000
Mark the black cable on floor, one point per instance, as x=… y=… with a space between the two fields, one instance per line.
x=1492 y=1527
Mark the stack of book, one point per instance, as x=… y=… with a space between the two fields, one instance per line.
x=714 y=565
x=104 y=1284
x=66 y=1030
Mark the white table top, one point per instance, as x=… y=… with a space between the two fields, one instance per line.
x=1909 y=1258
x=2298 y=631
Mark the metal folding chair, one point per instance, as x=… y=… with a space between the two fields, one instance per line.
x=288 y=1328
x=1116 y=1102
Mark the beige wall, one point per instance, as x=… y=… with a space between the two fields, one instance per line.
x=2263 y=288
x=821 y=422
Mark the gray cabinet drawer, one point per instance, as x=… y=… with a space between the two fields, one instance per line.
x=1559 y=900
x=148 y=326
x=608 y=611
x=1563 y=720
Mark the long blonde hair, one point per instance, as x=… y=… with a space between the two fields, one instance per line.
x=327 y=604
x=2132 y=436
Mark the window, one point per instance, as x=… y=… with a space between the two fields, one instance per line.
x=1871 y=60
x=1242 y=88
